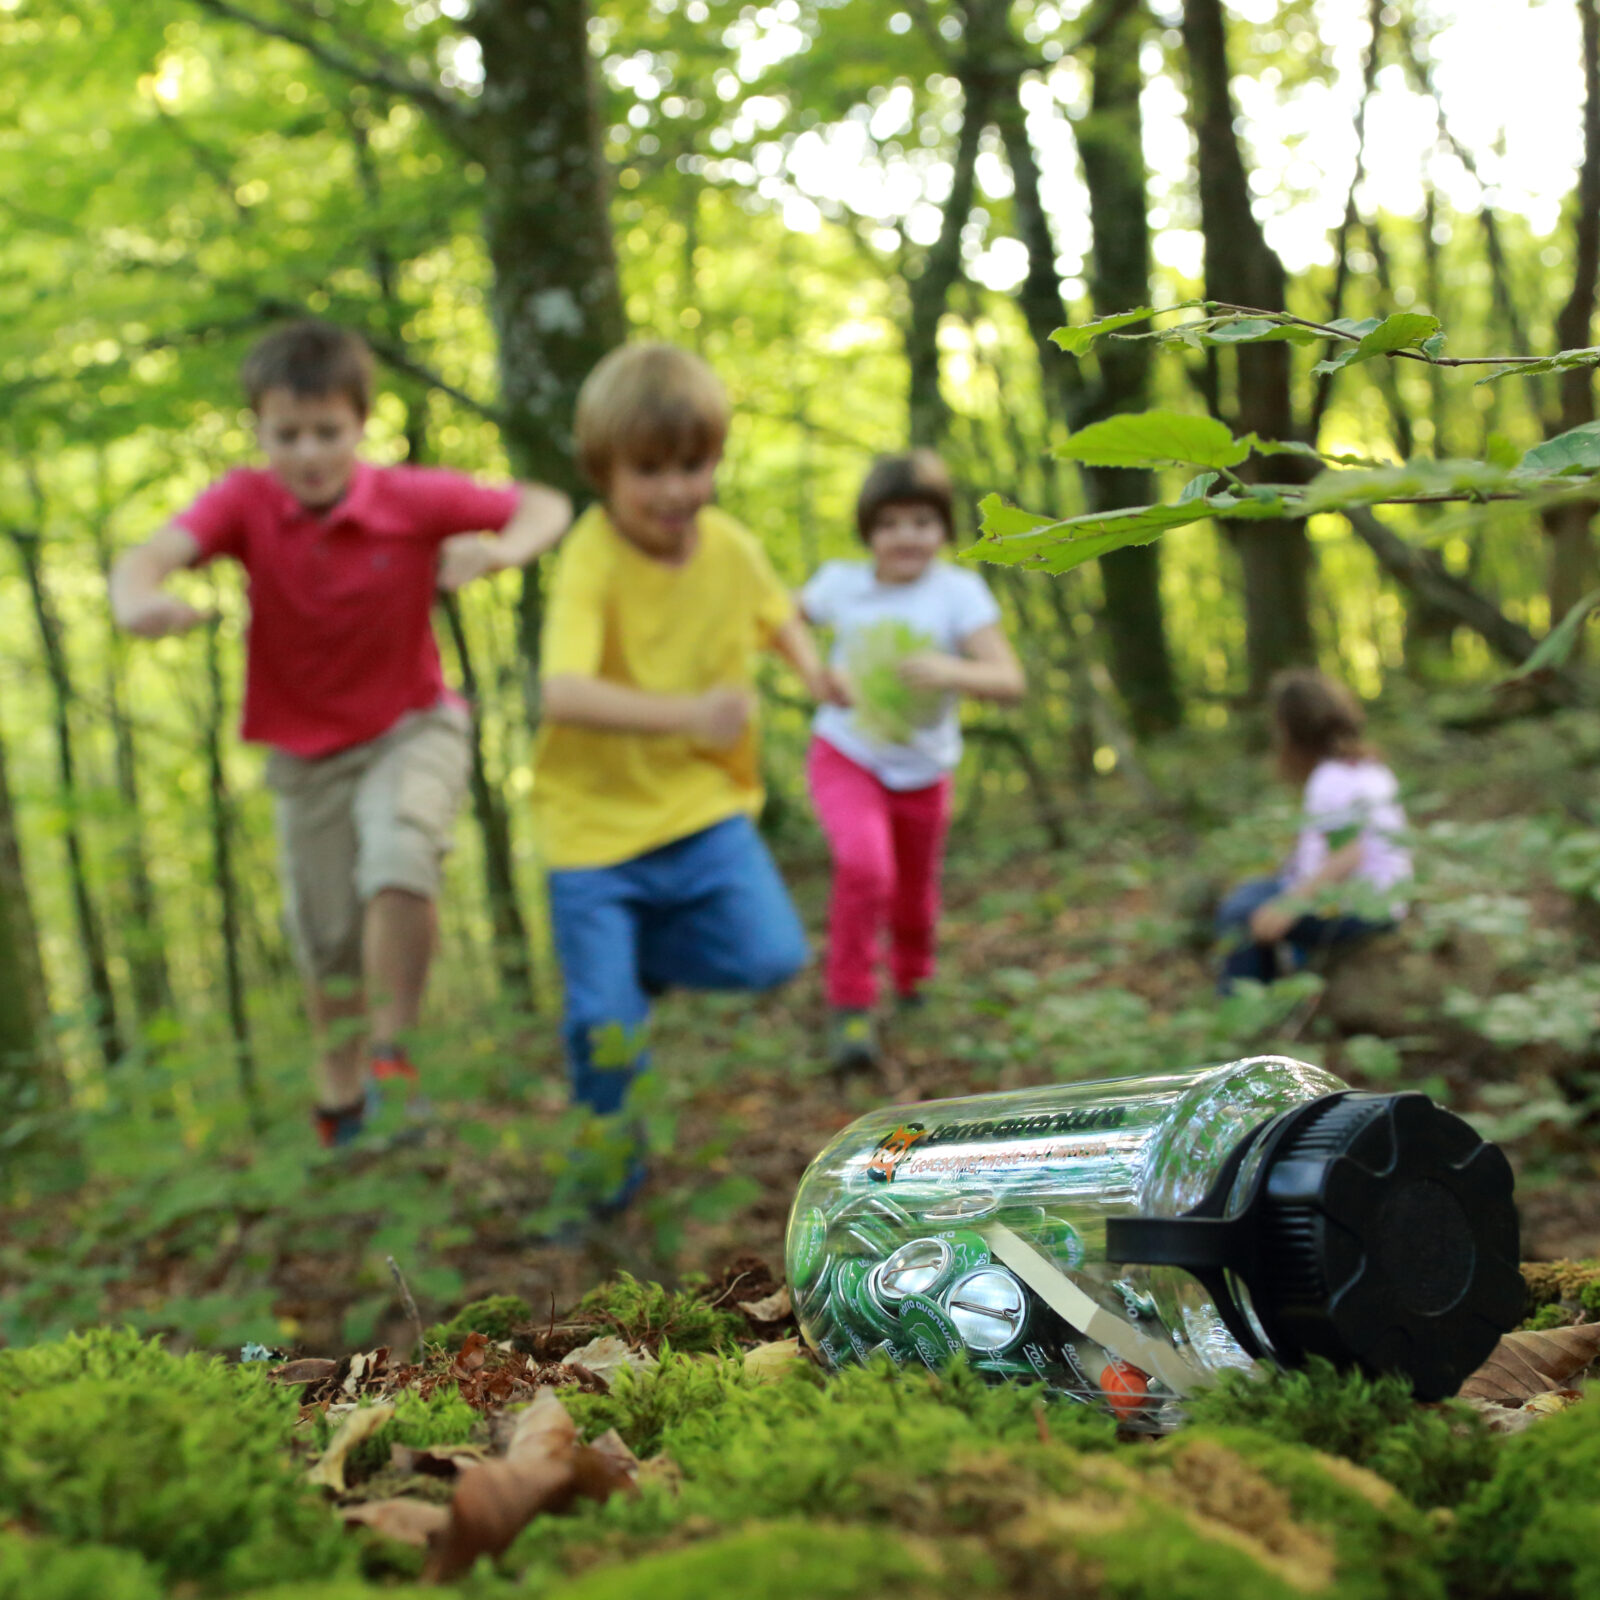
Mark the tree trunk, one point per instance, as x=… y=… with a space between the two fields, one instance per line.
x=220 y=807
x=508 y=930
x=32 y=1087
x=91 y=933
x=930 y=289
x=1572 y=564
x=1241 y=268
x=1109 y=143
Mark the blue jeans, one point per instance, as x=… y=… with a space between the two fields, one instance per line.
x=1307 y=938
x=705 y=912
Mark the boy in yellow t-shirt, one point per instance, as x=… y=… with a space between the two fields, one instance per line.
x=646 y=775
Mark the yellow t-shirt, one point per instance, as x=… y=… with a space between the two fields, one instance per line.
x=616 y=613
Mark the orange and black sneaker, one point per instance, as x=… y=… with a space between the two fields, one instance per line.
x=340 y=1126
x=390 y=1064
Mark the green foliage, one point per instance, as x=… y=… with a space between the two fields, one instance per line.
x=182 y=1460
x=1431 y=1455
x=648 y=1314
x=886 y=707
x=778 y=1561
x=43 y=1569
x=1533 y=1529
x=444 y=1418
x=643 y=1404
x=495 y=1317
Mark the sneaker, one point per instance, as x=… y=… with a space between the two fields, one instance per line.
x=852 y=1040
x=341 y=1126
x=390 y=1062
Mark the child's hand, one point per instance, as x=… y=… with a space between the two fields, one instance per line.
x=832 y=688
x=160 y=615
x=464 y=558
x=719 y=717
x=1269 y=923
x=931 y=669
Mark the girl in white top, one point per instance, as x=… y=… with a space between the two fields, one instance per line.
x=911 y=633
x=1352 y=833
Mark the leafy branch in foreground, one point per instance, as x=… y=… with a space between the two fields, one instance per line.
x=1565 y=468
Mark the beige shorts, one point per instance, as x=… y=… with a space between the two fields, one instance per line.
x=376 y=816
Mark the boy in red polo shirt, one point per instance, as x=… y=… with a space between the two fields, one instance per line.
x=369 y=749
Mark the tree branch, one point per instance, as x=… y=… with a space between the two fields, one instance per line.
x=395 y=355
x=382 y=76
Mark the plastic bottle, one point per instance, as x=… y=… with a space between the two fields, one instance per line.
x=1124 y=1241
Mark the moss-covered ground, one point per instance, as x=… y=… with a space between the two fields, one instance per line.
x=127 y=1469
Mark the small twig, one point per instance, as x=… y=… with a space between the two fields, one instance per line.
x=1355 y=338
x=410 y=1304
x=1041 y=1423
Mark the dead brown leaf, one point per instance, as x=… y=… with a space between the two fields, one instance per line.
x=437 y=1461
x=359 y=1424
x=1502 y=1419
x=472 y=1355
x=769 y=1362
x=543 y=1469
x=1530 y=1363
x=774 y=1308
x=409 y=1521
x=312 y=1369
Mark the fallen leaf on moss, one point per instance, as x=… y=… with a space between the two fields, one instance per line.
x=772 y=1309
x=608 y=1355
x=357 y=1425
x=409 y=1521
x=543 y=1469
x=437 y=1461
x=312 y=1369
x=1530 y=1363
x=1502 y=1419
x=1546 y=1405
x=769 y=1362
x=471 y=1356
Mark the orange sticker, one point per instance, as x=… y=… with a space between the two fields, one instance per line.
x=1125 y=1388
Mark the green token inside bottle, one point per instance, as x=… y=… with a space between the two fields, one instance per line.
x=931 y=1332
x=808 y=1249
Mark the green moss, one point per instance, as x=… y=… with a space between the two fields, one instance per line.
x=1553 y=1315
x=647 y=1314
x=184 y=1460
x=495 y=1317
x=1551 y=1282
x=780 y=1561
x=41 y=1569
x=445 y=1418
x=643 y=1404
x=1432 y=1454
x=1534 y=1528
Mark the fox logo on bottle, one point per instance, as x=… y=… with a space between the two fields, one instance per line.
x=892 y=1149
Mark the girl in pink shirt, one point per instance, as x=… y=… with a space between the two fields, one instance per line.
x=1351 y=834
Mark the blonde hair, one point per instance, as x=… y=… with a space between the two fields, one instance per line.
x=1314 y=720
x=648 y=404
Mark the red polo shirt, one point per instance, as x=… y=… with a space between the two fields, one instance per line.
x=340 y=644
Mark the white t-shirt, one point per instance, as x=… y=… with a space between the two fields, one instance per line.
x=946 y=604
x=1347 y=800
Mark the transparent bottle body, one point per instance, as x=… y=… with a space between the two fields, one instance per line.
x=903 y=1220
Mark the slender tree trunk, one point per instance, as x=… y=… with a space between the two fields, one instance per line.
x=929 y=416
x=1572 y=563
x=150 y=977
x=33 y=1089
x=219 y=804
x=1110 y=145
x=509 y=931
x=1242 y=268
x=91 y=933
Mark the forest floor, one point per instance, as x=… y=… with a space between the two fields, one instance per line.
x=1081 y=962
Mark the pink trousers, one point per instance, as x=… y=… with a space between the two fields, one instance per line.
x=888 y=848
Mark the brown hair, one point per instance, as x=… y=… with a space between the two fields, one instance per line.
x=310 y=358
x=1315 y=719
x=648 y=404
x=917 y=478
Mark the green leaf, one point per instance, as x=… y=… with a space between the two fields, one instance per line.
x=1433 y=347
x=1196 y=488
x=1335 y=491
x=1576 y=450
x=1500 y=450
x=1561 y=361
x=1404 y=330
x=1258 y=330
x=1553 y=650
x=1155 y=439
x=1079 y=339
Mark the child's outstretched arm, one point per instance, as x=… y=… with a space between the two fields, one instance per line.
x=536 y=526
x=986 y=669
x=793 y=641
x=1270 y=922
x=716 y=718
x=138 y=602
